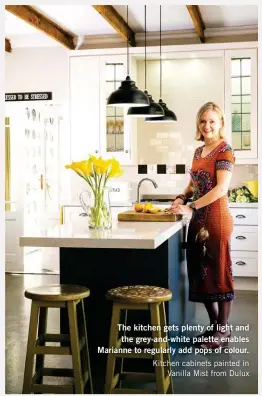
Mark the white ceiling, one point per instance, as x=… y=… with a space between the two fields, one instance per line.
x=84 y=20
x=174 y=17
x=22 y=34
x=226 y=16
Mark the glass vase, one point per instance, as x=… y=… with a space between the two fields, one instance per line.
x=96 y=205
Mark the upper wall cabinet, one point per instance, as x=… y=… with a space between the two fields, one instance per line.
x=116 y=128
x=95 y=128
x=84 y=106
x=241 y=103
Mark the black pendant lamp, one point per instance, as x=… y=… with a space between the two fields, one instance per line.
x=128 y=94
x=154 y=109
x=169 y=115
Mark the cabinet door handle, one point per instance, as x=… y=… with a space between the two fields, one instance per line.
x=126 y=151
x=42 y=182
x=241 y=263
x=241 y=237
x=240 y=217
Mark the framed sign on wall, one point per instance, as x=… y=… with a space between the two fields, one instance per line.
x=27 y=96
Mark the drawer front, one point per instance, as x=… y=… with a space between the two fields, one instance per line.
x=244 y=238
x=245 y=266
x=245 y=216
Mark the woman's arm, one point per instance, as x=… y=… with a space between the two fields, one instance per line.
x=221 y=189
x=223 y=180
x=188 y=192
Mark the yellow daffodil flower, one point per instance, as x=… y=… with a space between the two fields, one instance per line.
x=100 y=165
x=115 y=170
x=82 y=168
x=96 y=166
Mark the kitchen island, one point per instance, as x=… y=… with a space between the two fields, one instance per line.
x=130 y=253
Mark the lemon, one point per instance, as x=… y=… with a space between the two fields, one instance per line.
x=139 y=207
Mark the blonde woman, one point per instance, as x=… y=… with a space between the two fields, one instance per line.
x=211 y=225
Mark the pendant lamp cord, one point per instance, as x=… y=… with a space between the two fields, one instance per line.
x=145 y=47
x=127 y=52
x=160 y=43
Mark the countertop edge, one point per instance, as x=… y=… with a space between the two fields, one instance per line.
x=110 y=243
x=87 y=243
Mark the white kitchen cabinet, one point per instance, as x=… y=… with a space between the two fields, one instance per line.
x=241 y=103
x=244 y=216
x=116 y=128
x=84 y=106
x=244 y=263
x=244 y=241
x=244 y=238
x=96 y=128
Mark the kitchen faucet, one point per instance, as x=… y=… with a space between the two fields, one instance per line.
x=141 y=181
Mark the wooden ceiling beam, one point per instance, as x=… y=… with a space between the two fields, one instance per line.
x=8 y=47
x=117 y=22
x=196 y=17
x=42 y=23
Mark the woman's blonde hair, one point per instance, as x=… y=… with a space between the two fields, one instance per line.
x=207 y=107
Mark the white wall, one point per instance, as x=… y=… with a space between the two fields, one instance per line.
x=38 y=69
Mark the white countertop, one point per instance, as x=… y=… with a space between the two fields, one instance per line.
x=127 y=235
x=243 y=205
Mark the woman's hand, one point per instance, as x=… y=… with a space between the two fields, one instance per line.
x=177 y=202
x=180 y=209
x=174 y=205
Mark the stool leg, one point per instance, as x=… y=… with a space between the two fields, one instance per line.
x=86 y=362
x=75 y=350
x=163 y=323
x=111 y=359
x=159 y=370
x=29 y=362
x=39 y=364
x=122 y=360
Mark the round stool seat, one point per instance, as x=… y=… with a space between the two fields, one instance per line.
x=139 y=294
x=57 y=293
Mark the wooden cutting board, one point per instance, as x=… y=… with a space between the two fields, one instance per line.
x=132 y=215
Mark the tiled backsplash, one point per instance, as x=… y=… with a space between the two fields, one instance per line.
x=172 y=183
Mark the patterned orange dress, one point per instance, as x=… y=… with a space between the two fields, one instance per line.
x=209 y=263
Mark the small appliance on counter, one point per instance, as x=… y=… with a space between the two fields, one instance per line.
x=252 y=185
x=120 y=194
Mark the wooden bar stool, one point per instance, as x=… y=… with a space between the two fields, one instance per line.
x=57 y=296
x=150 y=298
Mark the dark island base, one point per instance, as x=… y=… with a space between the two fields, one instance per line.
x=103 y=269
